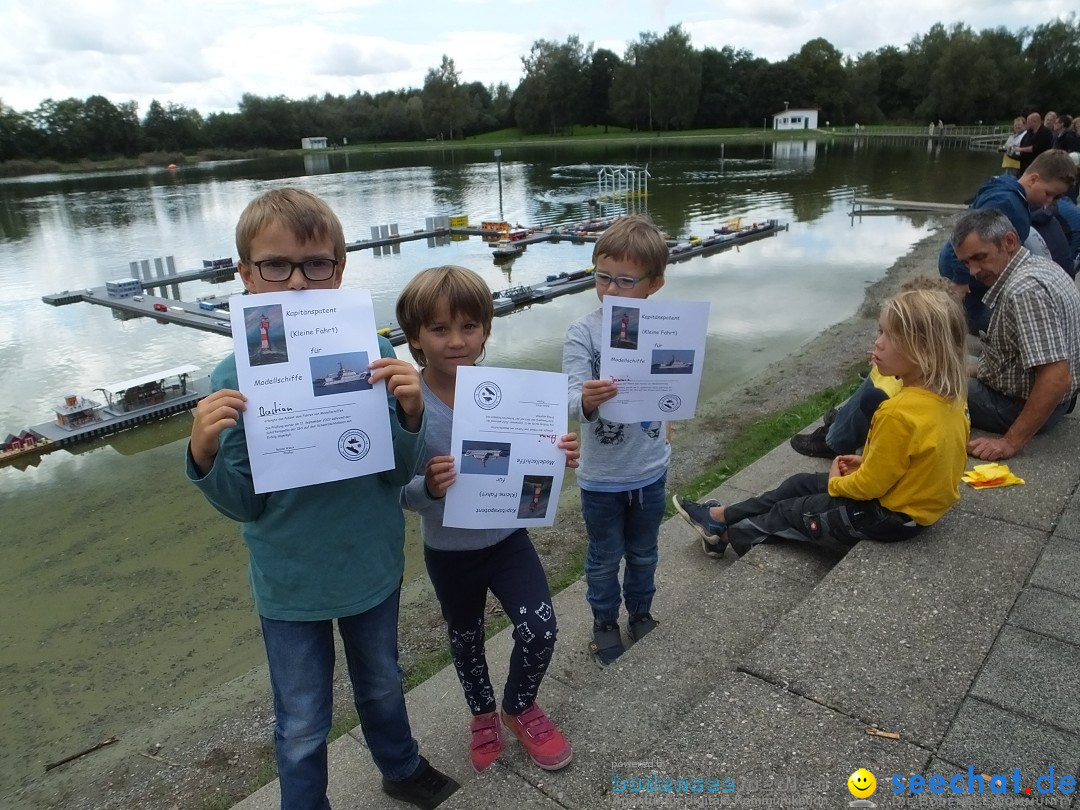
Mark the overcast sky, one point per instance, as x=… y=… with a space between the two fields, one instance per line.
x=207 y=53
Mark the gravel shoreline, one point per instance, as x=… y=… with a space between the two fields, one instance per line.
x=216 y=747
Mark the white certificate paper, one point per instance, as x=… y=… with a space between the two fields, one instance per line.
x=654 y=350
x=507 y=422
x=302 y=362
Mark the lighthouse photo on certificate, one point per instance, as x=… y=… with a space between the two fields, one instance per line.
x=264 y=328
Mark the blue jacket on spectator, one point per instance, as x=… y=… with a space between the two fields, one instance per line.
x=1068 y=211
x=1003 y=193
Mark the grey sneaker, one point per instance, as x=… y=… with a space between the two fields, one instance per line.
x=697 y=515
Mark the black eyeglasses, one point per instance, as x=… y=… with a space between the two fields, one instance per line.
x=622 y=282
x=282 y=269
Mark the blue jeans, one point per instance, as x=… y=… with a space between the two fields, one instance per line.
x=301 y=658
x=622 y=524
x=849 y=429
x=993 y=411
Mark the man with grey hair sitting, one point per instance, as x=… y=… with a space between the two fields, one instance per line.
x=1029 y=372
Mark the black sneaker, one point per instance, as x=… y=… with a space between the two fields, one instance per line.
x=697 y=515
x=427 y=788
x=813 y=444
x=829 y=417
x=606 y=646
x=641 y=625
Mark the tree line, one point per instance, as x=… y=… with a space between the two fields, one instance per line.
x=660 y=83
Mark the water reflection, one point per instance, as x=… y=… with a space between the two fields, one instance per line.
x=316 y=164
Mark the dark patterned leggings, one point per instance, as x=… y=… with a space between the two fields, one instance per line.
x=511 y=570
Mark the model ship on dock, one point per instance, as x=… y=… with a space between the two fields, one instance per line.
x=127 y=404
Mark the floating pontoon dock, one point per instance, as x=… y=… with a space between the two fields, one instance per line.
x=210 y=314
x=888 y=206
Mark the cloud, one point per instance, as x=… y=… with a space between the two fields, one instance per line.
x=175 y=68
x=346 y=59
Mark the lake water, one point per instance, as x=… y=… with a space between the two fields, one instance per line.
x=123 y=594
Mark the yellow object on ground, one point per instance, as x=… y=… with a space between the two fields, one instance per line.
x=988 y=476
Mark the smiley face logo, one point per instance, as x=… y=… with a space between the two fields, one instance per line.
x=862 y=784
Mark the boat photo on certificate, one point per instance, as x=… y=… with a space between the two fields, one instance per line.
x=338 y=373
x=672 y=361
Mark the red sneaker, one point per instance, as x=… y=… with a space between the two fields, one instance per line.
x=486 y=743
x=546 y=745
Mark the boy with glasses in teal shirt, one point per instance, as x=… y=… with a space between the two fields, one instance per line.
x=325 y=552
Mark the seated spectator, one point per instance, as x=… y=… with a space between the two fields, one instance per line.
x=1028 y=374
x=1053 y=242
x=1070 y=216
x=1048 y=177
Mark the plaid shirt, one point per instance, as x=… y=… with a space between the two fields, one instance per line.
x=1035 y=321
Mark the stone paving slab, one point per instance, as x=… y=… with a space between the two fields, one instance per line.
x=802 y=563
x=1069 y=523
x=1050 y=466
x=897 y=632
x=780 y=750
x=996 y=741
x=1048 y=614
x=1035 y=676
x=499 y=784
x=1058 y=567
x=722 y=608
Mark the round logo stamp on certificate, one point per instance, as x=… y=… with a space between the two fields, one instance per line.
x=670 y=403
x=487 y=395
x=353 y=444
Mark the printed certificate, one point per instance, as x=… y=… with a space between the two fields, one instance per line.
x=302 y=362
x=507 y=422
x=654 y=351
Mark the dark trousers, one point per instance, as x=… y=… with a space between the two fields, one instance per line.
x=801 y=509
x=511 y=570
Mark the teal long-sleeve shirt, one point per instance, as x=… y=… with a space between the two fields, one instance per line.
x=322 y=551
